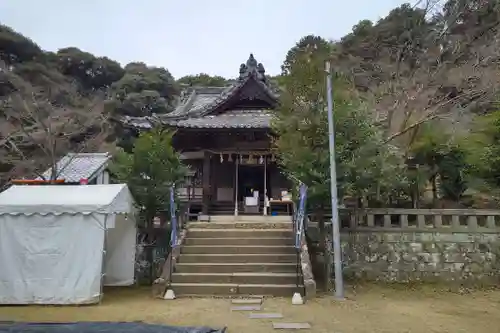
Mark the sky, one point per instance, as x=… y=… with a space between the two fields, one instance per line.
x=188 y=36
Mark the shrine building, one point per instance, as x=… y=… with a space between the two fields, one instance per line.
x=224 y=135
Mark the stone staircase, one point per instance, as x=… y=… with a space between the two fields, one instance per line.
x=246 y=255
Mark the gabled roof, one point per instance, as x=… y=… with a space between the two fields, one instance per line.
x=68 y=199
x=74 y=167
x=195 y=99
x=198 y=105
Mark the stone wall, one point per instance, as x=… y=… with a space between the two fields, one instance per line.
x=406 y=255
x=402 y=245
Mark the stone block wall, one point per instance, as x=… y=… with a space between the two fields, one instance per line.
x=403 y=245
x=409 y=256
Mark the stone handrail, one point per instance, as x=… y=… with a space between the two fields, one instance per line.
x=457 y=220
x=455 y=246
x=307 y=272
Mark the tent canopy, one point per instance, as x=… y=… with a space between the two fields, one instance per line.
x=65 y=199
x=60 y=243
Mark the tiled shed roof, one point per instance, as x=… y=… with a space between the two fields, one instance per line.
x=74 y=167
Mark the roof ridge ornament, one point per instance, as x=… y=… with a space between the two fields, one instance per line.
x=252 y=67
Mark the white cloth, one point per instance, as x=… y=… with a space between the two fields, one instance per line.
x=56 y=259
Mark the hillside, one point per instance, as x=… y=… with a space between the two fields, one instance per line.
x=70 y=94
x=438 y=61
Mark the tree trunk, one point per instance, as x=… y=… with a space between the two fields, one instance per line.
x=150 y=244
x=416 y=203
x=327 y=269
x=434 y=190
x=414 y=195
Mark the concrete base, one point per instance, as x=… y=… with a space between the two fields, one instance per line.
x=297 y=299
x=231 y=289
x=169 y=295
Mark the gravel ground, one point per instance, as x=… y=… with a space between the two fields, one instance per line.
x=368 y=309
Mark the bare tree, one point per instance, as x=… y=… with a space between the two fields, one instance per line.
x=35 y=133
x=454 y=76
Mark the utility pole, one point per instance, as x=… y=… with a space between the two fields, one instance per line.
x=337 y=255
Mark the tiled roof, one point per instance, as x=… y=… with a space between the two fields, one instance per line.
x=200 y=101
x=74 y=167
x=197 y=98
x=228 y=119
x=138 y=122
x=197 y=103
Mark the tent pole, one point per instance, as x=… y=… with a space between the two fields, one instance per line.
x=103 y=265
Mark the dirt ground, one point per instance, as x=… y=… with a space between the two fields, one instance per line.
x=367 y=309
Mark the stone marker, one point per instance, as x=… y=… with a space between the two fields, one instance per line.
x=291 y=326
x=265 y=315
x=247 y=301
x=245 y=308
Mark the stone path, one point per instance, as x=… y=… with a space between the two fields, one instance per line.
x=256 y=304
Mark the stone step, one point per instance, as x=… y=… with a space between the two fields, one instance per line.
x=237 y=258
x=240 y=249
x=241 y=225
x=250 y=218
x=253 y=300
x=263 y=241
x=291 y=326
x=229 y=289
x=237 y=278
x=239 y=233
x=258 y=267
x=263 y=315
x=246 y=308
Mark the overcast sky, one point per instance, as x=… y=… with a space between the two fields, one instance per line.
x=188 y=36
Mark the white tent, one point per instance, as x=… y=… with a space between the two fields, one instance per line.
x=60 y=243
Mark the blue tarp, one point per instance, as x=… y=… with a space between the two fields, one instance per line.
x=99 y=327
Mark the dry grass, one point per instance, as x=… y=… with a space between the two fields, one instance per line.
x=369 y=309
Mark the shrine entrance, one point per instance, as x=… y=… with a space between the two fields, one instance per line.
x=250 y=179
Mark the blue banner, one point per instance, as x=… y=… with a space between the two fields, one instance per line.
x=173 y=219
x=301 y=212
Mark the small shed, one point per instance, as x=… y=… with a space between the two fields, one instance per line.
x=61 y=244
x=75 y=167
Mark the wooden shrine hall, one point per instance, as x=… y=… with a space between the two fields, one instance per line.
x=224 y=135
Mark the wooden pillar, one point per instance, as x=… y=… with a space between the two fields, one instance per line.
x=236 y=169
x=265 y=186
x=206 y=183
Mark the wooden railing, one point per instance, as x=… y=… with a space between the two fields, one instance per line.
x=422 y=219
x=185 y=194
